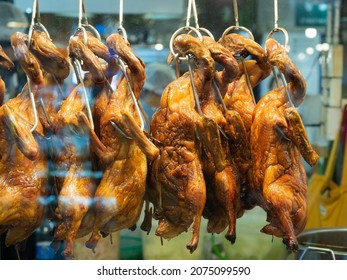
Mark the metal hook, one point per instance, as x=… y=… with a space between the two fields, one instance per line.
x=284 y=81
x=121 y=29
x=178 y=31
x=286 y=36
x=33 y=105
x=236 y=13
x=43 y=106
x=117 y=128
x=219 y=95
x=82 y=14
x=277 y=28
x=276 y=13
x=237 y=26
x=196 y=95
x=123 y=67
x=192 y=6
x=83 y=23
x=249 y=84
x=78 y=70
x=36 y=22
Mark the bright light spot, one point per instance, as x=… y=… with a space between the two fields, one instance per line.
x=311 y=33
x=301 y=56
x=322 y=47
x=158 y=47
x=325 y=47
x=310 y=51
x=16 y=24
x=28 y=10
x=319 y=47
x=322 y=7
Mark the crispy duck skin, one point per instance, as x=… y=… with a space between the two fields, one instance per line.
x=239 y=100
x=5 y=61
x=52 y=60
x=2 y=91
x=76 y=187
x=222 y=185
x=120 y=194
x=26 y=59
x=22 y=171
x=77 y=49
x=177 y=187
x=277 y=143
x=100 y=50
x=237 y=95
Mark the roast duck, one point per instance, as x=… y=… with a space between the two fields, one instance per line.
x=23 y=166
x=5 y=62
x=75 y=182
x=239 y=98
x=223 y=204
x=278 y=140
x=212 y=152
x=192 y=152
x=122 y=149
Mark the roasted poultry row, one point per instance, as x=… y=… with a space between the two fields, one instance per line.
x=214 y=156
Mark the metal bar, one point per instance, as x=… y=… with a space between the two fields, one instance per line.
x=123 y=68
x=248 y=79
x=32 y=23
x=80 y=12
x=195 y=13
x=276 y=13
x=32 y=99
x=78 y=71
x=219 y=95
x=286 y=88
x=189 y=12
x=120 y=13
x=196 y=96
x=236 y=13
x=42 y=103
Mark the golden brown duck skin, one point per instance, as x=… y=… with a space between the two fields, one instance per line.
x=74 y=183
x=5 y=61
x=2 y=91
x=77 y=49
x=52 y=59
x=77 y=187
x=178 y=188
x=120 y=194
x=277 y=143
x=27 y=61
x=238 y=98
x=100 y=50
x=222 y=185
x=22 y=171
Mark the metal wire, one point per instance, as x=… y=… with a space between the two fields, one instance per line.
x=123 y=67
x=249 y=84
x=78 y=70
x=82 y=14
x=236 y=13
x=32 y=99
x=196 y=95
x=35 y=22
x=276 y=13
x=121 y=29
